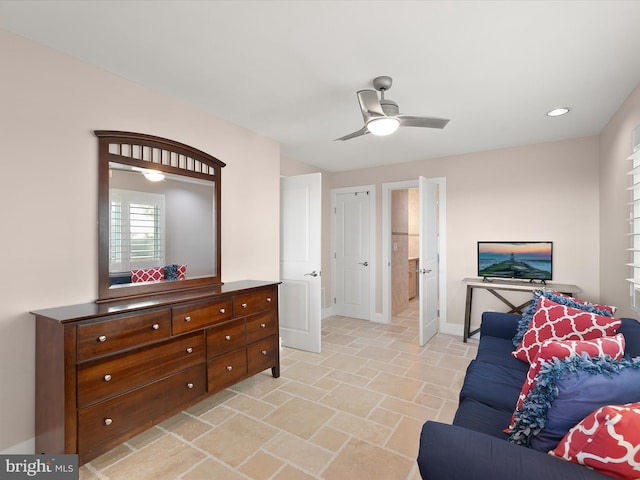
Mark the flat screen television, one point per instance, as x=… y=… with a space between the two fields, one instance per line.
x=519 y=260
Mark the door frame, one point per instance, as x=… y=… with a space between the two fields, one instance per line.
x=387 y=188
x=372 y=243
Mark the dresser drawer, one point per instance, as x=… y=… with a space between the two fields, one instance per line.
x=261 y=325
x=254 y=302
x=193 y=316
x=225 y=337
x=227 y=369
x=107 y=424
x=262 y=354
x=122 y=333
x=108 y=377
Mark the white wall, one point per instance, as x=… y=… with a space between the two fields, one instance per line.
x=537 y=192
x=615 y=147
x=50 y=104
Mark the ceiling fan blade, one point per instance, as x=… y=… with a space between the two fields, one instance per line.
x=369 y=104
x=427 y=122
x=362 y=131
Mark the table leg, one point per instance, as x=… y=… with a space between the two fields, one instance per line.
x=467 y=314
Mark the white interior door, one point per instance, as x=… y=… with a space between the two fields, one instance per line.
x=428 y=267
x=300 y=260
x=352 y=262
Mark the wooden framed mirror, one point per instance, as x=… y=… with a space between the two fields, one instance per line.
x=157 y=234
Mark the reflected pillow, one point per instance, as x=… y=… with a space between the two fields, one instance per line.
x=147 y=274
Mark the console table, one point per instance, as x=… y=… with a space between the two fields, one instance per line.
x=496 y=285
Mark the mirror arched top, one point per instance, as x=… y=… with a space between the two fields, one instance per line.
x=162 y=236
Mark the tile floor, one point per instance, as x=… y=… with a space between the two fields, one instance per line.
x=352 y=412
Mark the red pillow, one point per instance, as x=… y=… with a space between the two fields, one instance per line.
x=182 y=272
x=606 y=440
x=606 y=308
x=553 y=321
x=147 y=274
x=612 y=346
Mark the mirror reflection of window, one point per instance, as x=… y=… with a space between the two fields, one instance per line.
x=137 y=234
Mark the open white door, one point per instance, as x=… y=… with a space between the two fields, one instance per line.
x=428 y=268
x=300 y=260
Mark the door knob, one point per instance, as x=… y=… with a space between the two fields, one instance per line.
x=366 y=264
x=424 y=270
x=312 y=274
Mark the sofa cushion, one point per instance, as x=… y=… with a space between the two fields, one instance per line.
x=630 y=328
x=494 y=385
x=557 y=297
x=569 y=389
x=498 y=351
x=606 y=440
x=611 y=346
x=553 y=321
x=480 y=417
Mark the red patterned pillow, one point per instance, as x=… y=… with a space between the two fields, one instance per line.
x=550 y=349
x=605 y=308
x=606 y=440
x=553 y=321
x=147 y=274
x=182 y=272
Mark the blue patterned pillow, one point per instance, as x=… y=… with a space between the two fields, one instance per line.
x=171 y=272
x=527 y=314
x=568 y=390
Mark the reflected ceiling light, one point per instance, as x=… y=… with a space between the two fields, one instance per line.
x=556 y=112
x=383 y=125
x=153 y=175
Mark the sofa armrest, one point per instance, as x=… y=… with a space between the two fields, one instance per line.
x=450 y=452
x=499 y=324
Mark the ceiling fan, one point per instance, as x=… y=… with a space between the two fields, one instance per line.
x=382 y=117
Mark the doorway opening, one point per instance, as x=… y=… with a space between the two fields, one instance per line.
x=402 y=242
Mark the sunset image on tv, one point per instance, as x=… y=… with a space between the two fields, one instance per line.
x=524 y=260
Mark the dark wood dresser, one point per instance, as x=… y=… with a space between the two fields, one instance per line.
x=108 y=371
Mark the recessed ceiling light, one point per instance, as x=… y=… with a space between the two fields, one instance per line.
x=556 y=112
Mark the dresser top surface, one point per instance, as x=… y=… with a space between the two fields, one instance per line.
x=85 y=311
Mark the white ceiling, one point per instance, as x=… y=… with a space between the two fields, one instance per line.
x=290 y=69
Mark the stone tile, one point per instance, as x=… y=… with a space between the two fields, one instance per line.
x=307 y=373
x=185 y=426
x=361 y=460
x=304 y=455
x=291 y=473
x=250 y=406
x=367 y=430
x=260 y=467
x=167 y=457
x=354 y=400
x=209 y=469
x=236 y=440
x=396 y=386
x=300 y=417
x=330 y=438
x=406 y=438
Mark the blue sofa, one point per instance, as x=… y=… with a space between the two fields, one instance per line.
x=475 y=446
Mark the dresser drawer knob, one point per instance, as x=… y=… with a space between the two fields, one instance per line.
x=107 y=378
x=227 y=337
x=189 y=385
x=222 y=310
x=229 y=368
x=102 y=338
x=108 y=421
x=156 y=326
x=187 y=319
x=189 y=350
x=244 y=305
x=263 y=325
x=268 y=299
x=264 y=352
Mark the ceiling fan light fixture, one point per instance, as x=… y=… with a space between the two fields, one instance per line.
x=153 y=175
x=382 y=126
x=556 y=112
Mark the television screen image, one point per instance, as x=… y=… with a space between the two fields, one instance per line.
x=519 y=260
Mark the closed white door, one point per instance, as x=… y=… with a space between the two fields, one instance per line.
x=352 y=262
x=300 y=261
x=428 y=267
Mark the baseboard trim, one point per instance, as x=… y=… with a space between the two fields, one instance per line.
x=24 y=448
